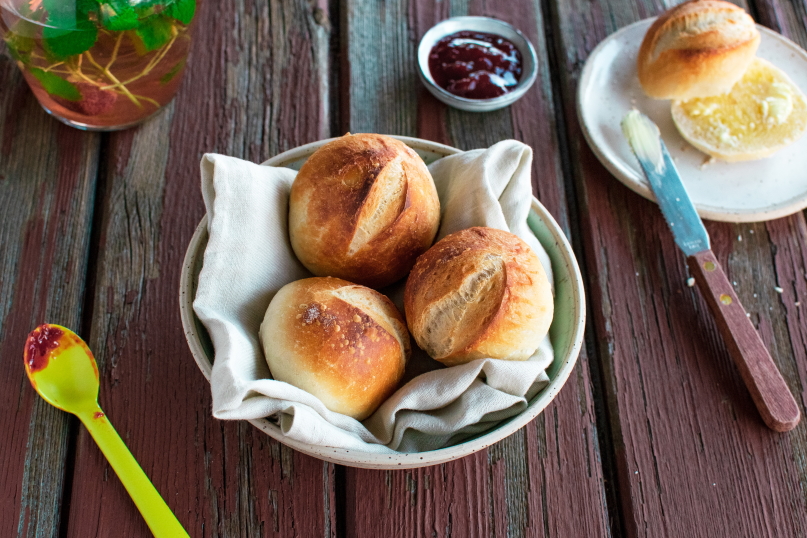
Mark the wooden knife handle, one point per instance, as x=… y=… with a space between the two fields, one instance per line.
x=760 y=374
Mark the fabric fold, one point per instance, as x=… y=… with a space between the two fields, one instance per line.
x=249 y=257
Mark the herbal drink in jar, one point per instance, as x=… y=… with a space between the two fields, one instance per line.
x=99 y=64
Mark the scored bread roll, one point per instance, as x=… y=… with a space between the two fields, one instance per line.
x=478 y=293
x=697 y=49
x=345 y=344
x=363 y=207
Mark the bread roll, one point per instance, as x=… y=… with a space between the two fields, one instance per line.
x=763 y=113
x=697 y=49
x=478 y=293
x=363 y=208
x=345 y=344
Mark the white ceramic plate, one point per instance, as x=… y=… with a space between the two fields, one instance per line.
x=735 y=192
x=566 y=330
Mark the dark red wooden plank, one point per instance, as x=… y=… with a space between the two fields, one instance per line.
x=769 y=391
x=47 y=180
x=256 y=85
x=693 y=456
x=765 y=384
x=546 y=479
x=788 y=236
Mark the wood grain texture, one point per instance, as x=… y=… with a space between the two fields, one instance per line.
x=765 y=383
x=256 y=84
x=377 y=71
x=693 y=457
x=546 y=479
x=47 y=182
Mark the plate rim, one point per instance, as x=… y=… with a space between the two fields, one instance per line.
x=631 y=178
x=370 y=460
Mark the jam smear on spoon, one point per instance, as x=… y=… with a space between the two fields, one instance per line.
x=40 y=342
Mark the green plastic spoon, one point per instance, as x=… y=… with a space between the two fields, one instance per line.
x=62 y=370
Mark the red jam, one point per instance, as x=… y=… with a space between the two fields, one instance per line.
x=40 y=342
x=475 y=65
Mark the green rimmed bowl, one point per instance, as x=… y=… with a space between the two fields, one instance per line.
x=566 y=331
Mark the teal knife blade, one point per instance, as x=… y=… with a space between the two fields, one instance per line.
x=645 y=140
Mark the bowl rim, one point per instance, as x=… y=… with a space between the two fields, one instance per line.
x=369 y=460
x=437 y=32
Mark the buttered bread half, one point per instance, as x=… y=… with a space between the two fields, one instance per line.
x=763 y=113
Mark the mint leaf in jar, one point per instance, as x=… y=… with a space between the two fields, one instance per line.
x=56 y=85
x=60 y=14
x=118 y=15
x=85 y=7
x=68 y=29
x=68 y=14
x=62 y=43
x=182 y=10
x=155 y=32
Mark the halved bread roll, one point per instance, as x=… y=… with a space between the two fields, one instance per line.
x=696 y=49
x=763 y=113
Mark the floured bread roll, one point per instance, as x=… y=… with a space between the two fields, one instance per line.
x=345 y=344
x=697 y=49
x=363 y=207
x=478 y=293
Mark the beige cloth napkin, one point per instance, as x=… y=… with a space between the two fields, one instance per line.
x=249 y=257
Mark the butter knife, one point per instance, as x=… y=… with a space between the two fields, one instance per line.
x=768 y=389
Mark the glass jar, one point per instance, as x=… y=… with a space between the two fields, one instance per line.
x=99 y=65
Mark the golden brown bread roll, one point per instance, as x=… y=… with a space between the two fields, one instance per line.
x=478 y=293
x=345 y=344
x=363 y=207
x=697 y=49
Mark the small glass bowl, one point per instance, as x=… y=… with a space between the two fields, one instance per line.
x=477 y=24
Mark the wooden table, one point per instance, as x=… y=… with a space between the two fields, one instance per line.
x=653 y=435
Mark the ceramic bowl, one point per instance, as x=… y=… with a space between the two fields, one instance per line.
x=477 y=24
x=566 y=331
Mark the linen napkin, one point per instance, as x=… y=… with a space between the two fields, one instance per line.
x=249 y=257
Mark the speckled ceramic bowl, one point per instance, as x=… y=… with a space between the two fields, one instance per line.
x=566 y=330
x=478 y=24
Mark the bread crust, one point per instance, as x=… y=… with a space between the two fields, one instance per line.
x=363 y=207
x=345 y=344
x=697 y=49
x=478 y=293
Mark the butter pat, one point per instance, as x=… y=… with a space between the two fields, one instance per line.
x=778 y=104
x=644 y=138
